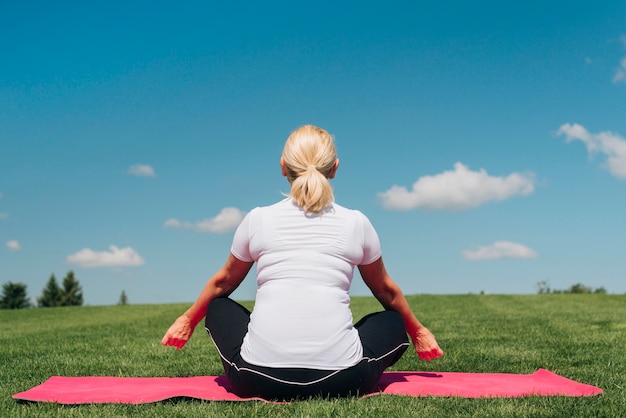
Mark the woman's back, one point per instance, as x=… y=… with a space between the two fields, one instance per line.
x=305 y=265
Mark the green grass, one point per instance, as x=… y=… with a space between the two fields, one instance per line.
x=582 y=337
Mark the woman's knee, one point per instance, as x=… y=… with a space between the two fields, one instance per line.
x=382 y=322
x=383 y=336
x=225 y=309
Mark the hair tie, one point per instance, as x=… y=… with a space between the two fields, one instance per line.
x=311 y=167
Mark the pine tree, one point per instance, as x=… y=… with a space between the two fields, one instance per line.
x=51 y=295
x=123 y=299
x=72 y=294
x=14 y=296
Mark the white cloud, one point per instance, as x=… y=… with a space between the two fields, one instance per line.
x=499 y=250
x=226 y=221
x=142 y=170
x=173 y=223
x=620 y=73
x=116 y=257
x=13 y=245
x=609 y=144
x=458 y=189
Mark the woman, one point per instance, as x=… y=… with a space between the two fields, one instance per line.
x=300 y=341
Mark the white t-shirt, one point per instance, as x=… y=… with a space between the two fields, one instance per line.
x=305 y=263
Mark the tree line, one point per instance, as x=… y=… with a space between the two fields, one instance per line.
x=69 y=293
x=544 y=287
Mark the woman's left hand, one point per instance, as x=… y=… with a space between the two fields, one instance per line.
x=426 y=345
x=179 y=333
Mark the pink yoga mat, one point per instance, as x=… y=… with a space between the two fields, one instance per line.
x=136 y=390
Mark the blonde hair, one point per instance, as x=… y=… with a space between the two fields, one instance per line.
x=309 y=157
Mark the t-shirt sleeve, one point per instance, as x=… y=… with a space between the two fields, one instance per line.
x=371 y=243
x=241 y=241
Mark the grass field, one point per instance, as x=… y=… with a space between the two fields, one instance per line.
x=582 y=337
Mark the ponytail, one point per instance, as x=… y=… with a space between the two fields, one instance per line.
x=309 y=157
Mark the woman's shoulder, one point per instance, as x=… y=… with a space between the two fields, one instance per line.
x=282 y=205
x=342 y=210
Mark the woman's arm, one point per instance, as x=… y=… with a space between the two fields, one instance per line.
x=391 y=297
x=223 y=283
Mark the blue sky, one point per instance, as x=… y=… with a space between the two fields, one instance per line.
x=484 y=140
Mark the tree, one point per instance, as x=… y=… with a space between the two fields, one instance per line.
x=71 y=294
x=51 y=295
x=14 y=296
x=543 y=287
x=123 y=299
x=578 y=288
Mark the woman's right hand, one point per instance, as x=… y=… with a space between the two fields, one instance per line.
x=179 y=333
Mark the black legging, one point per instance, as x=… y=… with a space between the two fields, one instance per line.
x=382 y=335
